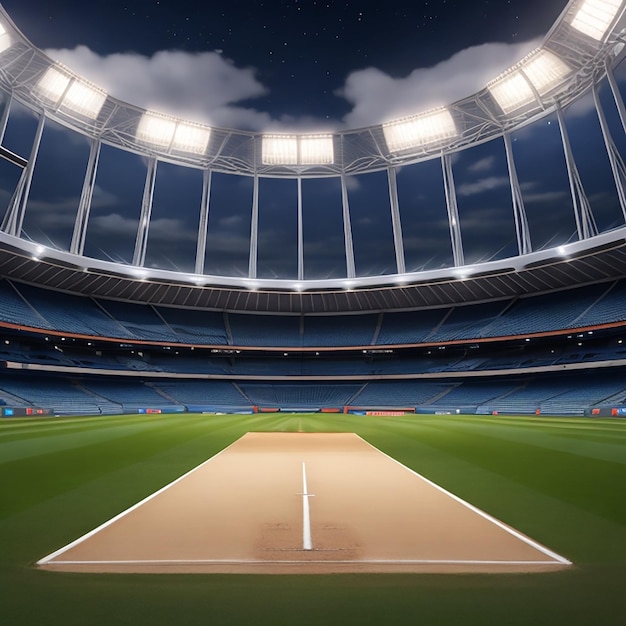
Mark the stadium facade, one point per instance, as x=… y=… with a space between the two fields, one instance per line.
x=372 y=327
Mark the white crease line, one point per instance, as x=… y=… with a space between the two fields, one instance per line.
x=527 y=540
x=307 y=541
x=46 y=559
x=306 y=562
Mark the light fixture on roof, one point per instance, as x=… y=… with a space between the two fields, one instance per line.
x=84 y=98
x=279 y=150
x=420 y=130
x=511 y=91
x=595 y=17
x=169 y=133
x=5 y=39
x=60 y=89
x=536 y=75
x=316 y=150
x=297 y=150
x=52 y=85
x=191 y=138
x=545 y=70
x=156 y=129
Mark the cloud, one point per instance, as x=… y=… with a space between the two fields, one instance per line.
x=353 y=184
x=482 y=165
x=162 y=229
x=545 y=197
x=208 y=87
x=377 y=97
x=203 y=86
x=54 y=215
x=480 y=186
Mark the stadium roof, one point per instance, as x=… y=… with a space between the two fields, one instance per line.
x=572 y=59
x=566 y=65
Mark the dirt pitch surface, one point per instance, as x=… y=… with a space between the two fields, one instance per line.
x=302 y=503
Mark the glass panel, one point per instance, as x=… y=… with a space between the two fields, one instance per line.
x=424 y=217
x=20 y=131
x=116 y=205
x=9 y=177
x=56 y=188
x=483 y=190
x=542 y=173
x=278 y=228
x=228 y=237
x=372 y=232
x=593 y=164
x=324 y=243
x=173 y=235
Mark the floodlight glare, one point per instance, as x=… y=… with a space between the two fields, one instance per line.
x=316 y=150
x=5 y=40
x=537 y=74
x=545 y=70
x=156 y=130
x=191 y=138
x=84 y=99
x=419 y=131
x=595 y=17
x=511 y=91
x=52 y=85
x=279 y=150
x=297 y=150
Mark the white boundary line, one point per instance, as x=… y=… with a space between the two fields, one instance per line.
x=305 y=562
x=46 y=559
x=527 y=540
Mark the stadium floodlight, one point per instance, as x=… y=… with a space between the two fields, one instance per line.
x=420 y=130
x=545 y=70
x=595 y=17
x=316 y=150
x=5 y=39
x=279 y=150
x=191 y=138
x=537 y=74
x=169 y=133
x=157 y=130
x=53 y=85
x=511 y=91
x=297 y=150
x=84 y=99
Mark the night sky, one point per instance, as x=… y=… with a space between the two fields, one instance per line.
x=304 y=66
x=301 y=51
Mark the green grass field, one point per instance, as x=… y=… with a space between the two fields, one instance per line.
x=561 y=481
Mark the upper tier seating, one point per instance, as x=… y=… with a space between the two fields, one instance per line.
x=588 y=306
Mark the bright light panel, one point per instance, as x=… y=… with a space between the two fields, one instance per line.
x=52 y=85
x=511 y=91
x=5 y=40
x=545 y=71
x=419 y=131
x=84 y=99
x=595 y=16
x=156 y=130
x=316 y=150
x=191 y=138
x=279 y=150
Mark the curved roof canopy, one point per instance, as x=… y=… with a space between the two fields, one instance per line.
x=574 y=56
x=565 y=66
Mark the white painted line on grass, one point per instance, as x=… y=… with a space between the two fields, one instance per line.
x=527 y=540
x=307 y=541
x=46 y=559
